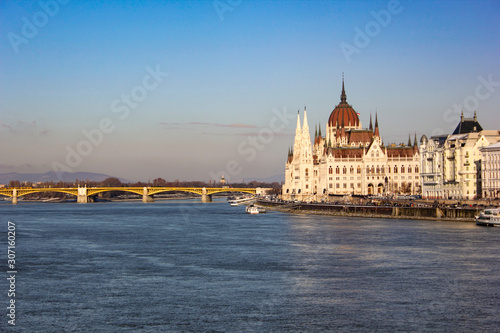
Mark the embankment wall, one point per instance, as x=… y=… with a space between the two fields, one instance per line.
x=429 y=213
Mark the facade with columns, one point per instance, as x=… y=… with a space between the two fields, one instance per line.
x=490 y=171
x=348 y=160
x=452 y=164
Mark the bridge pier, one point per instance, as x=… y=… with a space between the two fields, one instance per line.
x=14 y=196
x=82 y=195
x=146 y=197
x=204 y=196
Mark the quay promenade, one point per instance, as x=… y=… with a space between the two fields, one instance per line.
x=442 y=213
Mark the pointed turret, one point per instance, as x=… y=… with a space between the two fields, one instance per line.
x=475 y=116
x=343 y=97
x=371 y=126
x=298 y=129
x=415 y=144
x=305 y=125
x=319 y=128
x=409 y=140
x=377 y=134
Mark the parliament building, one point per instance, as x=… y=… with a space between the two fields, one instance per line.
x=348 y=160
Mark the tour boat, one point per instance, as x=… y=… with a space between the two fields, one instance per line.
x=238 y=201
x=252 y=209
x=489 y=217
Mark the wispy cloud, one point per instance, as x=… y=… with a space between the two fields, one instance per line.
x=197 y=124
x=45 y=132
x=205 y=129
x=286 y=133
x=23 y=127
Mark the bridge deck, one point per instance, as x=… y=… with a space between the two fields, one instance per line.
x=91 y=191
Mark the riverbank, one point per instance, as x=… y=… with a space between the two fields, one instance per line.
x=395 y=212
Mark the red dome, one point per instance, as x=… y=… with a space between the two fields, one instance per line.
x=343 y=114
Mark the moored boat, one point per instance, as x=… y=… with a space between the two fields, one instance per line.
x=240 y=200
x=489 y=217
x=252 y=209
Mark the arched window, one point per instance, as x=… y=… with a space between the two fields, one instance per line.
x=351 y=170
x=395 y=169
x=382 y=169
x=307 y=172
x=330 y=170
x=344 y=170
x=337 y=170
x=378 y=169
x=359 y=169
x=416 y=169
x=409 y=169
x=402 y=169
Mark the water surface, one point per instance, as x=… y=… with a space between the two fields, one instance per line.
x=187 y=266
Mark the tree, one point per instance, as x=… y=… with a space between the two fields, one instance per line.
x=14 y=183
x=111 y=182
x=160 y=182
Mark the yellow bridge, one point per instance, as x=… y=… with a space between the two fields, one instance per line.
x=87 y=194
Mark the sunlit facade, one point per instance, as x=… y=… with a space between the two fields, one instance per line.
x=451 y=164
x=348 y=160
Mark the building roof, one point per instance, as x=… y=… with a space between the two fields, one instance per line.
x=345 y=152
x=401 y=151
x=343 y=114
x=440 y=139
x=468 y=125
x=363 y=136
x=495 y=146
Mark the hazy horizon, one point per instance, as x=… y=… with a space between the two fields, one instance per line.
x=189 y=90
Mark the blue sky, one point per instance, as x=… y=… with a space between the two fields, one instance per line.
x=214 y=86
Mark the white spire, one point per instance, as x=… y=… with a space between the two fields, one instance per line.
x=297 y=130
x=306 y=125
x=298 y=139
x=306 y=138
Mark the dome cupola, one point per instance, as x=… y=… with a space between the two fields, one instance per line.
x=344 y=114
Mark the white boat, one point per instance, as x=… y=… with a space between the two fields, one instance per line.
x=489 y=217
x=239 y=201
x=252 y=209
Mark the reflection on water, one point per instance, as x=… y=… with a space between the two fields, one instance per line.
x=187 y=266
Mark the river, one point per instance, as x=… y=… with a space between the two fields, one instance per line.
x=185 y=266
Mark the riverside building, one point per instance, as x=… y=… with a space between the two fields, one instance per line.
x=348 y=160
x=490 y=171
x=452 y=164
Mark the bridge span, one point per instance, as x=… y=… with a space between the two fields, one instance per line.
x=87 y=194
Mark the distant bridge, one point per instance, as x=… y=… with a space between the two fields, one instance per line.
x=87 y=194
